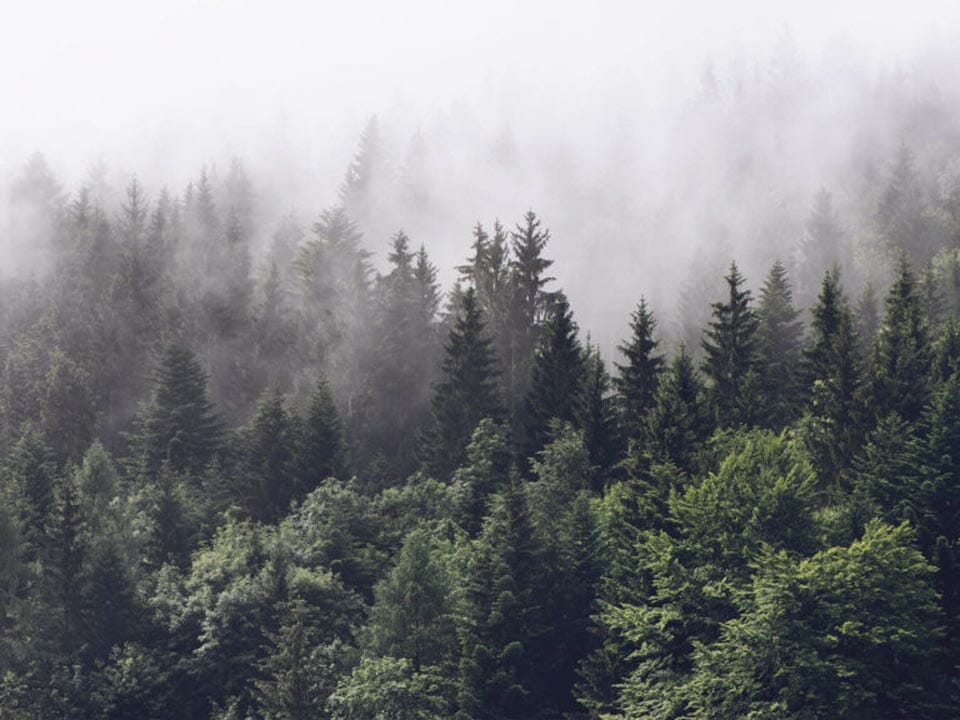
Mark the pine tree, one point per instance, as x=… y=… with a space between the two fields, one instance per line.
x=557 y=378
x=636 y=384
x=529 y=304
x=466 y=393
x=178 y=425
x=823 y=244
x=677 y=424
x=412 y=617
x=833 y=422
x=902 y=354
x=731 y=354
x=503 y=615
x=320 y=447
x=598 y=419
x=269 y=447
x=778 y=338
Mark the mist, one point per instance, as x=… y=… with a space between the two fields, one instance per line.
x=645 y=136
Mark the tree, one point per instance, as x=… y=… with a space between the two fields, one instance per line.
x=389 y=688
x=597 y=417
x=902 y=354
x=678 y=423
x=823 y=244
x=412 y=617
x=636 y=383
x=529 y=302
x=731 y=354
x=466 y=393
x=320 y=447
x=854 y=633
x=269 y=444
x=557 y=378
x=779 y=333
x=178 y=425
x=833 y=421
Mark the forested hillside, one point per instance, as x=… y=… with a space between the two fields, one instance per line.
x=281 y=484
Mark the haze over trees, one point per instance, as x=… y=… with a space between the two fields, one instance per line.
x=249 y=470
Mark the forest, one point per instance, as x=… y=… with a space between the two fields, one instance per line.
x=250 y=471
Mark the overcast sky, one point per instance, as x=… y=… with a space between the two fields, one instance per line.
x=150 y=82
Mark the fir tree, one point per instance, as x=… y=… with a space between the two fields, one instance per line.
x=731 y=353
x=778 y=338
x=178 y=426
x=833 y=422
x=636 y=384
x=902 y=354
x=466 y=393
x=557 y=378
x=677 y=424
x=320 y=447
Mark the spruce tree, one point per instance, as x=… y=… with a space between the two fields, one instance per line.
x=902 y=354
x=466 y=393
x=320 y=447
x=779 y=343
x=557 y=378
x=833 y=423
x=730 y=345
x=636 y=383
x=597 y=418
x=178 y=426
x=678 y=423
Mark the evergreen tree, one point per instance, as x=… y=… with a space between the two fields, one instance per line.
x=677 y=424
x=412 y=617
x=597 y=417
x=502 y=616
x=320 y=447
x=178 y=426
x=833 y=421
x=557 y=378
x=529 y=304
x=778 y=338
x=269 y=443
x=902 y=354
x=731 y=354
x=467 y=392
x=636 y=384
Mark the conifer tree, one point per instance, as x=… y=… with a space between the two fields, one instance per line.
x=270 y=455
x=779 y=343
x=677 y=424
x=902 y=353
x=529 y=304
x=502 y=616
x=466 y=393
x=636 y=383
x=597 y=418
x=320 y=447
x=833 y=423
x=557 y=378
x=730 y=345
x=178 y=426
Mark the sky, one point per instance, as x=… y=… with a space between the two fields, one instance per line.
x=150 y=81
x=159 y=89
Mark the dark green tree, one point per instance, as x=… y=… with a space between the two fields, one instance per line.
x=678 y=423
x=557 y=378
x=636 y=382
x=177 y=426
x=902 y=355
x=730 y=345
x=779 y=335
x=466 y=393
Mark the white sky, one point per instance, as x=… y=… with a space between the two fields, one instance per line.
x=117 y=77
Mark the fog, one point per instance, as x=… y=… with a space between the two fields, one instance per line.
x=656 y=140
